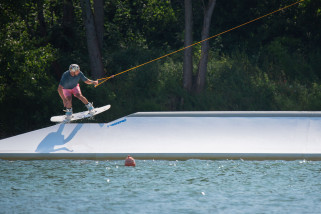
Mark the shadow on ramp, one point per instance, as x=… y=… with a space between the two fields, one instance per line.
x=53 y=139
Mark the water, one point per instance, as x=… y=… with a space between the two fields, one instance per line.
x=193 y=186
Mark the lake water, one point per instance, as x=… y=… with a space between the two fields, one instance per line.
x=192 y=186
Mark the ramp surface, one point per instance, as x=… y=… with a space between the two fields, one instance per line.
x=176 y=135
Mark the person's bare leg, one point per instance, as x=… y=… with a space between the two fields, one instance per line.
x=68 y=106
x=82 y=98
x=69 y=102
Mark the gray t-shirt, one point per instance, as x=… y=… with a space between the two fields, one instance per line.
x=69 y=82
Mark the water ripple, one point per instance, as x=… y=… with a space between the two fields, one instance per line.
x=192 y=186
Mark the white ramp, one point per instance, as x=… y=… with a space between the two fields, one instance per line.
x=177 y=135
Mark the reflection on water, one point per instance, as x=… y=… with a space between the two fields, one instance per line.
x=193 y=186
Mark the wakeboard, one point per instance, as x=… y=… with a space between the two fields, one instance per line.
x=79 y=115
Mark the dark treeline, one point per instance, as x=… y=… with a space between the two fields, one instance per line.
x=271 y=64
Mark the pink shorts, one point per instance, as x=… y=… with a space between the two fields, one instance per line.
x=75 y=91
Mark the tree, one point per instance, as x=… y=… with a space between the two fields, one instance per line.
x=99 y=22
x=68 y=25
x=41 y=18
x=188 y=55
x=202 y=67
x=95 y=57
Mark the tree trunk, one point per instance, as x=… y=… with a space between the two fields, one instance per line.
x=99 y=22
x=202 y=67
x=188 y=55
x=68 y=26
x=68 y=18
x=96 y=64
x=41 y=19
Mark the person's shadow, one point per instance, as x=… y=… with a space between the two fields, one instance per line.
x=53 y=139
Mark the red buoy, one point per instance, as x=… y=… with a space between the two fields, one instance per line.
x=129 y=161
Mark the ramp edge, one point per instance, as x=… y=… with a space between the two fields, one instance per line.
x=161 y=156
x=228 y=114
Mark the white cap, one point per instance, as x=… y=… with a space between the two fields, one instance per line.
x=74 y=67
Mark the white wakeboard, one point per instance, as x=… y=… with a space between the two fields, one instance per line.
x=79 y=115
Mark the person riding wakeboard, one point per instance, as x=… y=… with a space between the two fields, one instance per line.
x=69 y=85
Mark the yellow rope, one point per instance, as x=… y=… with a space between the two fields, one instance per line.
x=283 y=8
